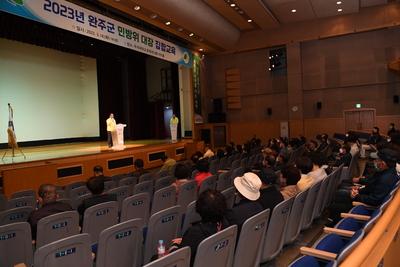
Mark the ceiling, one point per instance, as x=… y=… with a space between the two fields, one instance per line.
x=215 y=25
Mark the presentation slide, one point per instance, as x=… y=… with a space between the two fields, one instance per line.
x=53 y=94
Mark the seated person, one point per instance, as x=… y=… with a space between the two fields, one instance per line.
x=344 y=157
x=208 y=152
x=220 y=154
x=48 y=198
x=139 y=171
x=203 y=166
x=309 y=148
x=211 y=205
x=319 y=162
x=290 y=177
x=98 y=172
x=193 y=162
x=168 y=163
x=305 y=165
x=96 y=187
x=324 y=143
x=248 y=187
x=270 y=196
x=282 y=160
x=182 y=175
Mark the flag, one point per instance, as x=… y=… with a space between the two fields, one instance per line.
x=12 y=139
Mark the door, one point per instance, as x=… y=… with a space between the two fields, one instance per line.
x=361 y=120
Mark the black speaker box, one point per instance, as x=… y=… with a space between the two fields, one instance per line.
x=217 y=105
x=216 y=117
x=269 y=111
x=319 y=105
x=206 y=136
x=395 y=99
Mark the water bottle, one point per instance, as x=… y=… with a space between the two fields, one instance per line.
x=161 y=248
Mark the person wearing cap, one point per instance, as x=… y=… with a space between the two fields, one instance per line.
x=248 y=187
x=375 y=190
x=269 y=195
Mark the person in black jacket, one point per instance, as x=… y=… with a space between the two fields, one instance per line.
x=344 y=157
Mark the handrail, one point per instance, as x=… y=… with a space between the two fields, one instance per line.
x=373 y=247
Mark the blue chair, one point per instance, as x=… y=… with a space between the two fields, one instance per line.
x=309 y=261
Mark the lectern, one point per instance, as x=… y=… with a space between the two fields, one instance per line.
x=118 y=137
x=174 y=131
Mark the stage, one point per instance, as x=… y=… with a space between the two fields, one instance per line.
x=65 y=163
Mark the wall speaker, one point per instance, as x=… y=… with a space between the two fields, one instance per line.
x=319 y=105
x=395 y=99
x=217 y=102
x=205 y=136
x=216 y=117
x=269 y=111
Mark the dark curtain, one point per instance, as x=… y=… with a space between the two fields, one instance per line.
x=175 y=93
x=159 y=119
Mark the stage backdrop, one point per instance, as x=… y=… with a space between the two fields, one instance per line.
x=53 y=94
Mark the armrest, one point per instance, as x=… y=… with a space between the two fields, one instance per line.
x=340 y=232
x=318 y=253
x=355 y=216
x=255 y=170
x=221 y=171
x=345 y=168
x=356 y=203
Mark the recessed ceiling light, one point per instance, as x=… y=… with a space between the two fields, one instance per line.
x=338 y=2
x=137 y=7
x=294 y=10
x=153 y=16
x=191 y=34
x=240 y=11
x=232 y=5
x=201 y=49
x=249 y=20
x=180 y=29
x=117 y=0
x=201 y=39
x=167 y=23
x=236 y=8
x=340 y=10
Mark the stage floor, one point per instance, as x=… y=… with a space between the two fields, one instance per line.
x=72 y=149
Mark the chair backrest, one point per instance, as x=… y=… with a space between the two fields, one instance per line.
x=214 y=166
x=73 y=185
x=319 y=202
x=329 y=180
x=164 y=182
x=56 y=227
x=129 y=181
x=78 y=201
x=218 y=249
x=15 y=215
x=117 y=177
x=222 y=163
x=273 y=241
x=59 y=187
x=187 y=164
x=334 y=184
x=70 y=251
x=121 y=192
x=306 y=218
x=162 y=174
x=144 y=187
x=173 y=169
x=178 y=258
x=193 y=175
x=24 y=193
x=237 y=172
x=21 y=202
x=191 y=216
x=294 y=220
x=348 y=172
x=230 y=196
x=16 y=244
x=305 y=261
x=372 y=220
x=238 y=156
x=187 y=194
x=99 y=217
x=244 y=162
x=209 y=182
x=66 y=200
x=251 y=162
x=62 y=194
x=223 y=181
x=235 y=164
x=163 y=198
x=129 y=174
x=108 y=185
x=136 y=206
x=146 y=177
x=3 y=200
x=231 y=158
x=163 y=225
x=350 y=246
x=121 y=245
x=76 y=192
x=253 y=232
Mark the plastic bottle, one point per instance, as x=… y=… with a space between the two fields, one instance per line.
x=161 y=248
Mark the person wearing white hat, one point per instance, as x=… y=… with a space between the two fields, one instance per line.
x=248 y=187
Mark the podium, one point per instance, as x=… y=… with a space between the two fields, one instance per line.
x=118 y=137
x=174 y=131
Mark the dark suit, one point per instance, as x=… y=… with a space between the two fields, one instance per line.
x=139 y=173
x=346 y=159
x=89 y=202
x=241 y=212
x=270 y=197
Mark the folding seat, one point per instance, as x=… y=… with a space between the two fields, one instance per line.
x=77 y=192
x=173 y=169
x=162 y=199
x=3 y=200
x=62 y=194
x=214 y=166
x=191 y=216
x=108 y=185
x=251 y=162
x=73 y=185
x=117 y=177
x=273 y=241
x=244 y=161
x=347 y=172
x=70 y=251
x=21 y=202
x=121 y=245
x=121 y=192
x=238 y=172
x=66 y=200
x=144 y=187
x=178 y=258
x=164 y=182
x=146 y=177
x=99 y=217
x=78 y=201
x=16 y=244
x=129 y=174
x=309 y=261
x=187 y=194
x=129 y=181
x=230 y=194
x=24 y=193
x=223 y=181
x=253 y=232
x=218 y=249
x=136 y=206
x=57 y=226
x=222 y=163
x=162 y=174
x=229 y=161
x=15 y=215
x=319 y=202
x=187 y=164
x=235 y=164
x=208 y=183
x=59 y=187
x=163 y=225
x=193 y=175
x=307 y=218
x=294 y=220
